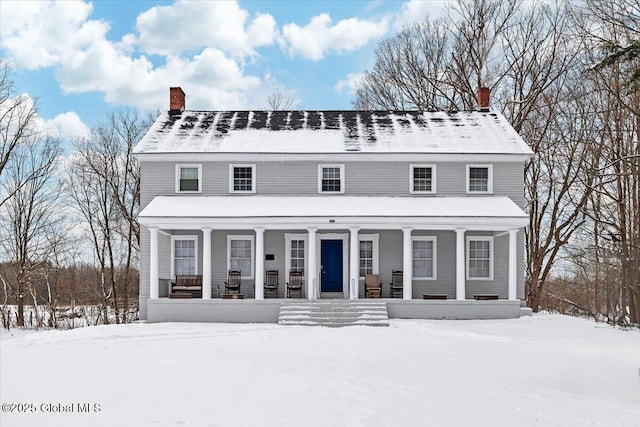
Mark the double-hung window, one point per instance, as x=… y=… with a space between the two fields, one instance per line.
x=368 y=251
x=330 y=179
x=480 y=179
x=184 y=255
x=295 y=247
x=240 y=253
x=480 y=258
x=424 y=257
x=242 y=178
x=423 y=179
x=188 y=178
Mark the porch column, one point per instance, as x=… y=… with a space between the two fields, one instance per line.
x=407 y=264
x=460 y=265
x=312 y=274
x=154 y=286
x=513 y=264
x=354 y=264
x=259 y=263
x=206 y=263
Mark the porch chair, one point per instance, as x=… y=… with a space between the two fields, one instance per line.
x=372 y=286
x=395 y=287
x=296 y=281
x=271 y=284
x=232 y=285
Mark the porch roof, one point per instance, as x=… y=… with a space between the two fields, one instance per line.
x=332 y=211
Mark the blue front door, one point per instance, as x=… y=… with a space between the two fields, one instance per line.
x=331 y=261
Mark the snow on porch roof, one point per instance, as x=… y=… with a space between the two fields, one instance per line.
x=332 y=132
x=266 y=207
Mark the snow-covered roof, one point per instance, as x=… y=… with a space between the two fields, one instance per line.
x=162 y=209
x=332 y=132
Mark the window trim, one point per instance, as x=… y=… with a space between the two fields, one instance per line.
x=489 y=178
x=250 y=237
x=491 y=256
x=288 y=237
x=253 y=178
x=175 y=237
x=433 y=178
x=375 y=238
x=433 y=239
x=179 y=166
x=342 y=178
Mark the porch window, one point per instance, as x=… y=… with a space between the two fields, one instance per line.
x=479 y=179
x=424 y=257
x=368 y=251
x=423 y=179
x=188 y=178
x=240 y=253
x=184 y=255
x=242 y=178
x=479 y=258
x=331 y=178
x=297 y=255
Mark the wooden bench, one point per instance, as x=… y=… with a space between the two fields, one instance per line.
x=232 y=296
x=190 y=285
x=434 y=296
x=485 y=297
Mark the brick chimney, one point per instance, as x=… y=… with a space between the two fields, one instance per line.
x=483 y=99
x=176 y=100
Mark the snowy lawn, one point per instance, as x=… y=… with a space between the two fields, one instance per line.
x=545 y=370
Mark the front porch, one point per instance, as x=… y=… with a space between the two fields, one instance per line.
x=268 y=311
x=445 y=248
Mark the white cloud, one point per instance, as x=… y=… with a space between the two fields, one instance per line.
x=319 y=36
x=415 y=11
x=42 y=34
x=350 y=83
x=188 y=26
x=67 y=126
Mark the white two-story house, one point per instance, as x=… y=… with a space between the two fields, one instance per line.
x=335 y=195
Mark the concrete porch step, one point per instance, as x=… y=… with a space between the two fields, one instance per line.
x=334 y=313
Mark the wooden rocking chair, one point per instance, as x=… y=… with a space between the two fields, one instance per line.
x=271 y=284
x=372 y=286
x=396 y=285
x=232 y=285
x=296 y=281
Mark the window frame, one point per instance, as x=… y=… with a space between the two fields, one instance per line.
x=250 y=237
x=491 y=256
x=342 y=178
x=289 y=237
x=412 y=189
x=232 y=182
x=434 y=260
x=179 y=167
x=375 y=238
x=489 y=178
x=173 y=251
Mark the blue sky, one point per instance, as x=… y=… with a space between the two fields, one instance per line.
x=82 y=59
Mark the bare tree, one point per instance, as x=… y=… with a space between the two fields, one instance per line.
x=280 y=101
x=104 y=182
x=30 y=213
x=17 y=120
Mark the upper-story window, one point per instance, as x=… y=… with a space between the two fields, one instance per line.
x=330 y=178
x=423 y=179
x=480 y=179
x=242 y=178
x=188 y=178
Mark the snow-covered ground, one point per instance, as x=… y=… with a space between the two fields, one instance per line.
x=545 y=370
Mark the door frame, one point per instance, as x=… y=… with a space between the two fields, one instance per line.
x=345 y=259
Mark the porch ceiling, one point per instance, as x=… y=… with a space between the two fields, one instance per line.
x=165 y=211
